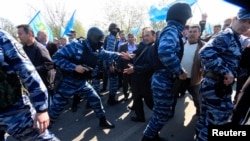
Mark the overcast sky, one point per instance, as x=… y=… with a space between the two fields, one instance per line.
x=18 y=13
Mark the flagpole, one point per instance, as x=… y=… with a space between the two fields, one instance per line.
x=199 y=7
x=194 y=9
x=34 y=17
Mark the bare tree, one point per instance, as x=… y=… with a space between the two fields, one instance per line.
x=158 y=25
x=8 y=26
x=130 y=15
x=126 y=15
x=80 y=30
x=56 y=15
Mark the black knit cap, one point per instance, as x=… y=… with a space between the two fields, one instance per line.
x=180 y=12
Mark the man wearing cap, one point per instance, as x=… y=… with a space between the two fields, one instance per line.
x=72 y=35
x=167 y=60
x=220 y=58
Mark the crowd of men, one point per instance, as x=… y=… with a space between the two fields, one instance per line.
x=155 y=70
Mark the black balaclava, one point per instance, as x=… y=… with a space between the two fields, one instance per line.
x=180 y=12
x=95 y=37
x=114 y=26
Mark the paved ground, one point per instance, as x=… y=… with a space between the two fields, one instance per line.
x=83 y=125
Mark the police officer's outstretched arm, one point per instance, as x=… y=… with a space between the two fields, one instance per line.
x=16 y=59
x=95 y=36
x=114 y=55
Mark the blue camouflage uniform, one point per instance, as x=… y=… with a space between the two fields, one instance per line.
x=163 y=79
x=219 y=56
x=96 y=81
x=17 y=120
x=65 y=59
x=112 y=77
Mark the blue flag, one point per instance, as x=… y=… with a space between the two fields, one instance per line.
x=70 y=24
x=208 y=29
x=159 y=13
x=136 y=30
x=62 y=29
x=38 y=23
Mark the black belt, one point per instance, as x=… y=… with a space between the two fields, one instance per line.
x=213 y=75
x=78 y=76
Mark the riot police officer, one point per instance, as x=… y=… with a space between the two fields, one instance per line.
x=110 y=64
x=220 y=57
x=75 y=61
x=169 y=54
x=23 y=114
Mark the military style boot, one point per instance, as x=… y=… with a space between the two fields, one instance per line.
x=2 y=135
x=112 y=101
x=105 y=123
x=75 y=102
x=156 y=138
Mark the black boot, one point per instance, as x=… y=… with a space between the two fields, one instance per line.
x=103 y=90
x=2 y=137
x=87 y=105
x=131 y=107
x=156 y=138
x=112 y=101
x=105 y=123
x=125 y=96
x=144 y=138
x=75 y=102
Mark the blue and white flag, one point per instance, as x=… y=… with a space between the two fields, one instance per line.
x=136 y=30
x=37 y=23
x=70 y=24
x=157 y=13
x=208 y=29
x=62 y=29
